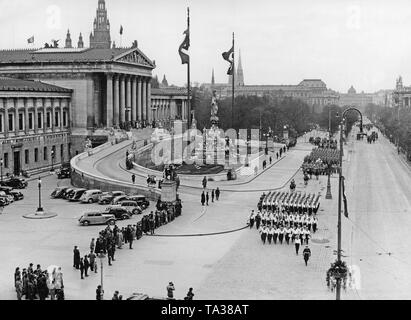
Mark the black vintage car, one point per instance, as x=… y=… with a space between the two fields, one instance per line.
x=15 y=183
x=64 y=173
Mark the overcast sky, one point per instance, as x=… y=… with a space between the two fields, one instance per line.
x=362 y=43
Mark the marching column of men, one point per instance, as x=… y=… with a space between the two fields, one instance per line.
x=278 y=226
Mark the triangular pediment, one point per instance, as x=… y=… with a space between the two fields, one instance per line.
x=136 y=57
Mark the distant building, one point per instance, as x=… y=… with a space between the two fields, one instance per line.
x=352 y=98
x=401 y=96
x=34 y=121
x=312 y=91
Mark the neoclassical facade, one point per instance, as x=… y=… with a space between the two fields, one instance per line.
x=34 y=124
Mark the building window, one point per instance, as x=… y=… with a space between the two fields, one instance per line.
x=6 y=160
x=39 y=120
x=62 y=152
x=45 y=153
x=36 y=154
x=11 y=122
x=21 y=122
x=26 y=156
x=64 y=118
x=48 y=120
x=1 y=123
x=31 y=127
x=56 y=119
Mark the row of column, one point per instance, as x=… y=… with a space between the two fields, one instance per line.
x=128 y=99
x=38 y=107
x=164 y=109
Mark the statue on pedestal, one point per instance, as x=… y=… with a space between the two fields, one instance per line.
x=214 y=110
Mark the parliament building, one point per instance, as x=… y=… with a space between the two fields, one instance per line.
x=103 y=86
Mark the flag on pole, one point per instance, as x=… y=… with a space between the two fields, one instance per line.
x=228 y=57
x=30 y=40
x=121 y=29
x=185 y=58
x=344 y=197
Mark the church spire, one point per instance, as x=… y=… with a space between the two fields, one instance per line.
x=80 y=43
x=100 y=37
x=240 y=74
x=68 y=40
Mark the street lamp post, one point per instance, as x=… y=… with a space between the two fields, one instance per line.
x=52 y=160
x=39 y=209
x=340 y=178
x=101 y=256
x=1 y=169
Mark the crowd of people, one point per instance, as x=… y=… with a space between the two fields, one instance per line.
x=318 y=162
x=33 y=284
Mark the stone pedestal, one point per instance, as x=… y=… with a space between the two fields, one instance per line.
x=168 y=191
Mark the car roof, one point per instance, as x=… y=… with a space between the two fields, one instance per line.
x=94 y=190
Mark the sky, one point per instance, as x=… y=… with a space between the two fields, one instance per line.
x=361 y=43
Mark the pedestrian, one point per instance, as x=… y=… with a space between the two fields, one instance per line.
x=190 y=294
x=92 y=245
x=81 y=266
x=86 y=265
x=207 y=198
x=76 y=257
x=271 y=159
x=277 y=155
x=212 y=195
x=297 y=243
x=93 y=263
x=99 y=293
x=152 y=223
x=19 y=288
x=170 y=289
x=202 y=198
x=258 y=220
x=115 y=296
x=204 y=182
x=133 y=178
x=306 y=254
x=252 y=218
x=217 y=194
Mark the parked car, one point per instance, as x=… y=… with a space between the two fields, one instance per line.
x=141 y=201
x=8 y=198
x=117 y=199
x=68 y=193
x=3 y=202
x=58 y=192
x=16 y=183
x=89 y=218
x=90 y=196
x=118 y=212
x=77 y=194
x=17 y=195
x=63 y=173
x=131 y=206
x=107 y=197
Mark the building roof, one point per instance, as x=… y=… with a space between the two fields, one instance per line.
x=169 y=91
x=9 y=84
x=64 y=55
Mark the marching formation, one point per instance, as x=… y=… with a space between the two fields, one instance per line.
x=289 y=201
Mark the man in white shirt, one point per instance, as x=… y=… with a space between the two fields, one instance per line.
x=264 y=234
x=270 y=234
x=275 y=236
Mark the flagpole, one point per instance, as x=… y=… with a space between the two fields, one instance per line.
x=233 y=78
x=188 y=75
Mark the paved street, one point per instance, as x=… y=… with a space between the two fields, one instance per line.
x=234 y=265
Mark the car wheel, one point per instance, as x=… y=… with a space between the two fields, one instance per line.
x=86 y=223
x=124 y=217
x=90 y=200
x=136 y=211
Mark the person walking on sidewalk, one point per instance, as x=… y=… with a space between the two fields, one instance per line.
x=207 y=198
x=202 y=198
x=217 y=194
x=170 y=289
x=133 y=178
x=81 y=266
x=99 y=293
x=297 y=243
x=92 y=245
x=212 y=195
x=306 y=254
x=204 y=182
x=86 y=265
x=76 y=257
